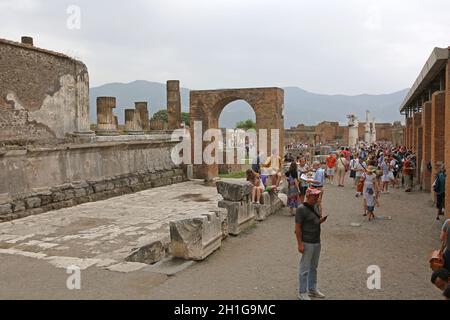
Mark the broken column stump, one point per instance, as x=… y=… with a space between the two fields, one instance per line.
x=106 y=124
x=133 y=124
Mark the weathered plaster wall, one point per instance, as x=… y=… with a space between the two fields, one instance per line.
x=44 y=95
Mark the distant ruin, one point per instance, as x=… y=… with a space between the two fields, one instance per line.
x=328 y=132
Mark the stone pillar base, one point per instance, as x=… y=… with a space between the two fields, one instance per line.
x=135 y=133
x=107 y=133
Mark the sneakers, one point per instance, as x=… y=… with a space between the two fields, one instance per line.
x=303 y=296
x=316 y=294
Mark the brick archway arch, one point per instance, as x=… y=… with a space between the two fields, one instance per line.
x=207 y=105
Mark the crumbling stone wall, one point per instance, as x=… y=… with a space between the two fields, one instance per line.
x=35 y=180
x=44 y=95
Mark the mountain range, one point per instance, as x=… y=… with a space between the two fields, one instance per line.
x=301 y=106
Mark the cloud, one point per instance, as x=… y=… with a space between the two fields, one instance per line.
x=348 y=46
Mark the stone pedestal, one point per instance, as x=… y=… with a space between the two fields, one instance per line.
x=234 y=190
x=236 y=195
x=106 y=124
x=241 y=215
x=198 y=237
x=133 y=122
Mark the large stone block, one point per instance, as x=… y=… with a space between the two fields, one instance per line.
x=148 y=254
x=5 y=209
x=33 y=202
x=261 y=211
x=272 y=201
x=234 y=191
x=241 y=215
x=196 y=238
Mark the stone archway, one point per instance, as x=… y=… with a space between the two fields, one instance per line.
x=207 y=105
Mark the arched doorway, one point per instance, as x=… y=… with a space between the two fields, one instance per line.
x=237 y=148
x=207 y=105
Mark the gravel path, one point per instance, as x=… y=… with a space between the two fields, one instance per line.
x=262 y=262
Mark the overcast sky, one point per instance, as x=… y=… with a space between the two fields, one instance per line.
x=345 y=46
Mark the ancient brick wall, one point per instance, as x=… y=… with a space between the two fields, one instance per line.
x=384 y=131
x=206 y=106
x=44 y=95
x=437 y=131
x=447 y=137
x=426 y=146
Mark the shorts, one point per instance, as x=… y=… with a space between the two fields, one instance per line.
x=387 y=177
x=371 y=208
x=330 y=171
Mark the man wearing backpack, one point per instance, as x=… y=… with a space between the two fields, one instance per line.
x=439 y=189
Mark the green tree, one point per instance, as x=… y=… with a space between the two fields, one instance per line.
x=162 y=115
x=185 y=117
x=246 y=125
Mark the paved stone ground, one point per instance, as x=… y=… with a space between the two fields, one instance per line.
x=104 y=233
x=262 y=263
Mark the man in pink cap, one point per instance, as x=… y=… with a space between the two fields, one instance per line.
x=308 y=219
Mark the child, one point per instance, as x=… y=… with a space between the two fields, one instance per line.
x=370 y=203
x=253 y=179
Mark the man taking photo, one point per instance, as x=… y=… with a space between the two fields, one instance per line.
x=307 y=230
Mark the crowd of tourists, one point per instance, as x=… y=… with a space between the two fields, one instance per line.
x=374 y=169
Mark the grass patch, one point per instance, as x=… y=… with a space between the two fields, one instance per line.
x=233 y=175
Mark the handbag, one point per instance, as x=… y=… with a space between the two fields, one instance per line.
x=360 y=186
x=437 y=259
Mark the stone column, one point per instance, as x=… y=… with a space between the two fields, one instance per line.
x=416 y=123
x=106 y=125
x=447 y=135
x=409 y=133
x=142 y=108
x=133 y=122
x=426 y=145
x=417 y=143
x=437 y=131
x=173 y=104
